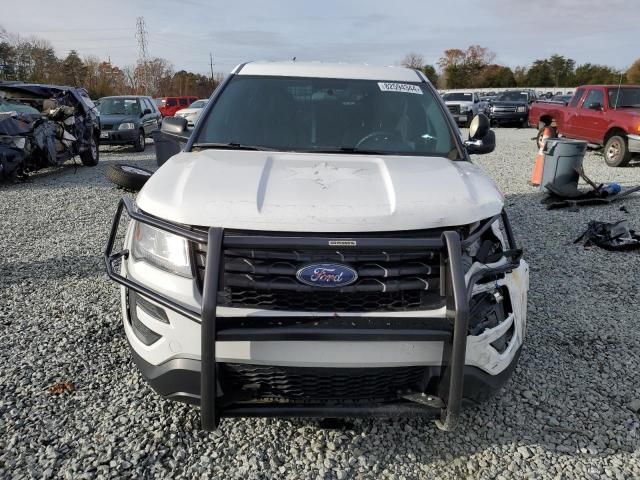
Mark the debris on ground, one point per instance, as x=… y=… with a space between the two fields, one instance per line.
x=59 y=388
x=610 y=236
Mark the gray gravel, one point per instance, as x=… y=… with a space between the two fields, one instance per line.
x=570 y=411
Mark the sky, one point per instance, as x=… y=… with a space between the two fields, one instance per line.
x=379 y=32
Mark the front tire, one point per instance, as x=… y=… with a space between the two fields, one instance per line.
x=616 y=152
x=91 y=157
x=140 y=144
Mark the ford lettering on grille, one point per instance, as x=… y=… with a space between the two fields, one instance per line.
x=327 y=275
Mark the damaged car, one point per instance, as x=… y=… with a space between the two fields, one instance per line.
x=322 y=246
x=45 y=125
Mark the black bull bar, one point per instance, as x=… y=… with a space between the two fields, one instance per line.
x=452 y=286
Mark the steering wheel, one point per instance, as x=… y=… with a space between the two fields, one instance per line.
x=382 y=135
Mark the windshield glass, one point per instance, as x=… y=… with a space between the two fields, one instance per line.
x=515 y=96
x=329 y=115
x=198 y=104
x=628 y=97
x=119 y=106
x=459 y=97
x=17 y=107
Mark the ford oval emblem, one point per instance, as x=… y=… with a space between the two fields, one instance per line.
x=327 y=275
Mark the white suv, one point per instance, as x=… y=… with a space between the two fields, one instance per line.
x=323 y=246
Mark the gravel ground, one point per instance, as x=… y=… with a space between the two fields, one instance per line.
x=568 y=411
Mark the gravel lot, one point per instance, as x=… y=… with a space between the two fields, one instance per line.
x=568 y=411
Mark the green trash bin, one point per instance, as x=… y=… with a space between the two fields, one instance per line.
x=562 y=161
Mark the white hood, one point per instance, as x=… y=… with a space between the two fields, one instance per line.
x=303 y=192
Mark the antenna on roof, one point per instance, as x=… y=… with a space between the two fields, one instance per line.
x=618 y=94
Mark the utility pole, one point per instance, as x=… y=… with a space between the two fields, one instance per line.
x=141 y=35
x=211 y=65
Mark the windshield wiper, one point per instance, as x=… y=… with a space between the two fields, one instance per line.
x=363 y=151
x=233 y=146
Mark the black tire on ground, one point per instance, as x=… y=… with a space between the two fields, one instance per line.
x=91 y=157
x=140 y=143
x=127 y=176
x=616 y=152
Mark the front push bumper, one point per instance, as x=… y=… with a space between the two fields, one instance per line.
x=202 y=379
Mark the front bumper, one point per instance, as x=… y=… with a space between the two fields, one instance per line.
x=118 y=137
x=179 y=379
x=634 y=143
x=203 y=377
x=509 y=117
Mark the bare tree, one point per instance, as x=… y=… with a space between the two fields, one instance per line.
x=413 y=60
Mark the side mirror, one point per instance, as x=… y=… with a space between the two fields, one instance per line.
x=479 y=127
x=175 y=126
x=481 y=138
x=147 y=111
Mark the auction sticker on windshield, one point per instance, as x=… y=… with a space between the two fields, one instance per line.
x=399 y=87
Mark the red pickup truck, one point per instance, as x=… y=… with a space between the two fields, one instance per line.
x=604 y=115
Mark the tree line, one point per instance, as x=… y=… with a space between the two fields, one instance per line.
x=34 y=60
x=475 y=67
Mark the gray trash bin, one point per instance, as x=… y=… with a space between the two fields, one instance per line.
x=561 y=159
x=167 y=145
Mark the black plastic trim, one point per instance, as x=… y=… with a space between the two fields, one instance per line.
x=179 y=379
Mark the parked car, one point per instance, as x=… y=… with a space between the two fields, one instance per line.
x=323 y=246
x=512 y=107
x=128 y=120
x=463 y=106
x=170 y=105
x=192 y=113
x=561 y=99
x=606 y=115
x=45 y=125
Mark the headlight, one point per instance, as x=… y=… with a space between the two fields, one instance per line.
x=464 y=108
x=521 y=109
x=161 y=249
x=126 y=126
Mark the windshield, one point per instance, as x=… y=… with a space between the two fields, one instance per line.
x=515 y=96
x=458 y=97
x=627 y=97
x=17 y=107
x=198 y=104
x=329 y=115
x=160 y=102
x=119 y=106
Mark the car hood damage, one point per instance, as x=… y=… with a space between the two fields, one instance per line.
x=343 y=193
x=61 y=126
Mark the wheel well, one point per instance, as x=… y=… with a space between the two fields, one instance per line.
x=614 y=131
x=545 y=121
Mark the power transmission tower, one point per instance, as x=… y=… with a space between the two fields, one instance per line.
x=141 y=35
x=211 y=64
